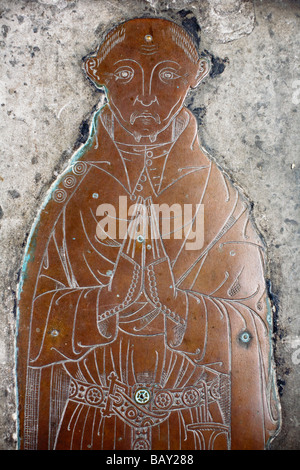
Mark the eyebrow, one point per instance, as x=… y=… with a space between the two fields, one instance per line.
x=127 y=60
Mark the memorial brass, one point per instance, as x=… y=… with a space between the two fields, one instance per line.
x=144 y=321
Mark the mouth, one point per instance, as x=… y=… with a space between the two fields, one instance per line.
x=146 y=115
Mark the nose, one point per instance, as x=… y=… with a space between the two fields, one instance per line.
x=146 y=97
x=146 y=100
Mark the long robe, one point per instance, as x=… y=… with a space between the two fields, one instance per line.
x=208 y=369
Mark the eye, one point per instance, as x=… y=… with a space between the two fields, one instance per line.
x=125 y=74
x=168 y=74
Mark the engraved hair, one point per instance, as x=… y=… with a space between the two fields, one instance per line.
x=183 y=40
x=178 y=35
x=111 y=40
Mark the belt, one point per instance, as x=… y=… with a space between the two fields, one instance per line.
x=142 y=406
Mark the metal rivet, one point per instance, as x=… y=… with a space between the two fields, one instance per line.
x=142 y=396
x=95 y=195
x=245 y=337
x=54 y=333
x=140 y=238
x=148 y=38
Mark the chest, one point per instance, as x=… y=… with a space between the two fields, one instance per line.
x=102 y=212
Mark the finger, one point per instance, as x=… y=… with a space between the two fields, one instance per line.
x=135 y=235
x=157 y=249
x=152 y=252
x=126 y=274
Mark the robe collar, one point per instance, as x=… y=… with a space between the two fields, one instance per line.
x=162 y=163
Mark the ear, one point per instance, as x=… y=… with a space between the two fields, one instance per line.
x=202 y=72
x=91 y=68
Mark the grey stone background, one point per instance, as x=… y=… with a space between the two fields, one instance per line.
x=248 y=113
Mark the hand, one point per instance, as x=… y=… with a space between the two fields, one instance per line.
x=126 y=279
x=159 y=280
x=160 y=287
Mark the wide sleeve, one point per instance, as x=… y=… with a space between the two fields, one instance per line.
x=233 y=317
x=65 y=313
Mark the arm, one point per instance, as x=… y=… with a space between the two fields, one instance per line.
x=67 y=319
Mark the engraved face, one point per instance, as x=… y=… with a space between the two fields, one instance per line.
x=147 y=72
x=145 y=95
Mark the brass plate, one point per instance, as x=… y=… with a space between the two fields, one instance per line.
x=144 y=272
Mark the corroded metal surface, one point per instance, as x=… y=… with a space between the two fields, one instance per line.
x=144 y=320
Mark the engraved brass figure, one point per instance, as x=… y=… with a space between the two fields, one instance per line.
x=133 y=332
